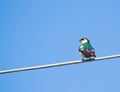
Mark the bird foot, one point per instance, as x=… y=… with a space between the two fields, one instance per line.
x=91 y=59
x=88 y=59
x=83 y=59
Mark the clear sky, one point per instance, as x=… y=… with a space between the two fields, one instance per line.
x=38 y=32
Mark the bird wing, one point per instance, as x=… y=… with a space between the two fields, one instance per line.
x=90 y=50
x=87 y=49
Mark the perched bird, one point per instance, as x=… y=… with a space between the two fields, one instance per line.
x=86 y=49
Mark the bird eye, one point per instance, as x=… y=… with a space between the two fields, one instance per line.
x=82 y=39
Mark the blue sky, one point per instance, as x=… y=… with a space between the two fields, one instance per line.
x=38 y=32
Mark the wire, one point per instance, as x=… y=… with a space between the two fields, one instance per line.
x=58 y=64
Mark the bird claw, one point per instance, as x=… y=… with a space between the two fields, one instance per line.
x=91 y=59
x=83 y=59
x=88 y=59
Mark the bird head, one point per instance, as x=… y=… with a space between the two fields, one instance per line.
x=84 y=40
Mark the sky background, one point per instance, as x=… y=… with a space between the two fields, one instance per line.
x=39 y=32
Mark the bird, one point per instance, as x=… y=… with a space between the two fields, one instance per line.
x=86 y=49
